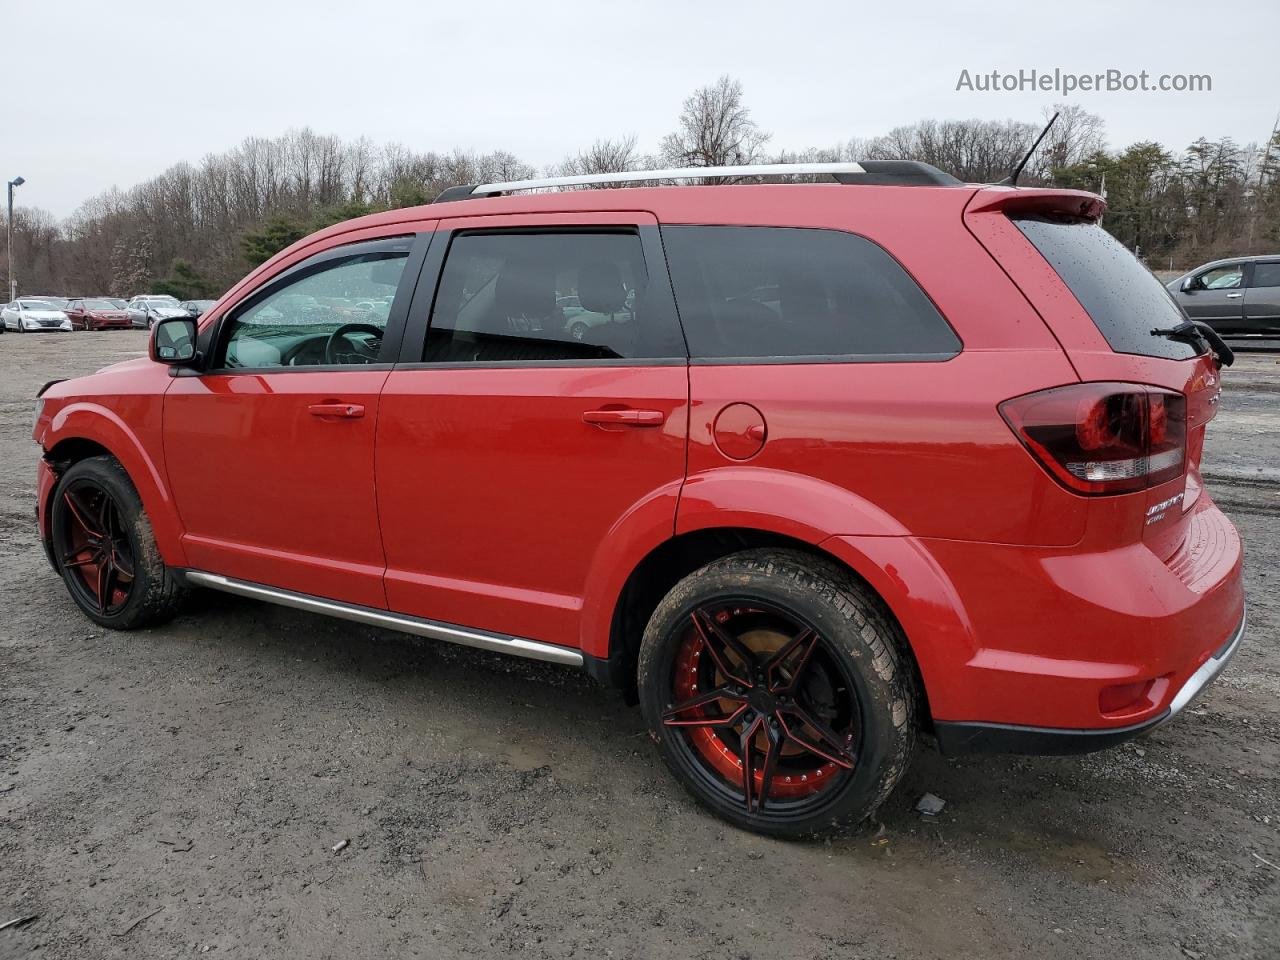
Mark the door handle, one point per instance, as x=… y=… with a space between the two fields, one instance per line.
x=337 y=411
x=625 y=418
x=1234 y=296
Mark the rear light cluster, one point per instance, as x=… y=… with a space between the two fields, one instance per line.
x=1100 y=438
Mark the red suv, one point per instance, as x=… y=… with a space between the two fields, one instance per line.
x=812 y=469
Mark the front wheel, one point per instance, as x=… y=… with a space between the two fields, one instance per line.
x=779 y=691
x=106 y=551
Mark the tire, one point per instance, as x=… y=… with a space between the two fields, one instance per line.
x=139 y=589
x=833 y=729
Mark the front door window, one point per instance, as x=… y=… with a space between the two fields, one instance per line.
x=332 y=314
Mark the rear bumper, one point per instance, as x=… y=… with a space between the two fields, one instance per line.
x=955 y=738
x=1017 y=644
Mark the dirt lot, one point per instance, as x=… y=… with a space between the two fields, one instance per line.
x=200 y=775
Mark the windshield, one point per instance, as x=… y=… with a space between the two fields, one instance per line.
x=99 y=305
x=1123 y=297
x=36 y=305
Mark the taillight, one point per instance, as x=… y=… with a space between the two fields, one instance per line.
x=1099 y=438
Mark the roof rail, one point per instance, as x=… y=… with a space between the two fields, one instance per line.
x=870 y=172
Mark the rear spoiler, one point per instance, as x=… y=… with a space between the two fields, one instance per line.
x=1069 y=203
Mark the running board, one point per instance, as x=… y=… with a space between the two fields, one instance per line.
x=480 y=639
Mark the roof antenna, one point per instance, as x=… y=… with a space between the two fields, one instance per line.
x=1012 y=179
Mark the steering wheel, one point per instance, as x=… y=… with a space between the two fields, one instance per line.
x=357 y=352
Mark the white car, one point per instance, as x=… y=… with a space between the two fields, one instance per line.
x=28 y=316
x=145 y=310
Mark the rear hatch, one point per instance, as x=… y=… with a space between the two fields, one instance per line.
x=1103 y=305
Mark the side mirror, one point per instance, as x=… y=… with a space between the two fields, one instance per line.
x=173 y=341
x=1189 y=284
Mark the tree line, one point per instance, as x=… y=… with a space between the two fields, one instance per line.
x=196 y=228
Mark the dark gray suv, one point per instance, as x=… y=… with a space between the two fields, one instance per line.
x=1239 y=296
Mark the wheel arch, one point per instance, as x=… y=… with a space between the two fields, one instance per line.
x=912 y=588
x=83 y=430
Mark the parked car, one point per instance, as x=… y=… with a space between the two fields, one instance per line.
x=1237 y=296
x=97 y=313
x=145 y=310
x=195 y=308
x=944 y=478
x=579 y=321
x=28 y=315
x=375 y=310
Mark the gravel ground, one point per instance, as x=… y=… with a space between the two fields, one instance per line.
x=189 y=789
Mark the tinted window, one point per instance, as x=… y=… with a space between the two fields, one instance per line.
x=1266 y=275
x=294 y=325
x=1122 y=296
x=543 y=296
x=783 y=292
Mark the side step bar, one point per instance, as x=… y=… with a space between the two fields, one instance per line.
x=467 y=637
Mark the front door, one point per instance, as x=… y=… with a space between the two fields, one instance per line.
x=548 y=401
x=1217 y=297
x=270 y=450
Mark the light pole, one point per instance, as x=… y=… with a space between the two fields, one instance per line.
x=13 y=282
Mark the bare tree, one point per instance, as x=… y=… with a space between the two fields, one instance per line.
x=715 y=129
x=1075 y=136
x=977 y=151
x=603 y=156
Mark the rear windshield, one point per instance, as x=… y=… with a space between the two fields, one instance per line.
x=1122 y=296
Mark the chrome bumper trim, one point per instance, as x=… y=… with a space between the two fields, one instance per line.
x=1208 y=670
x=500 y=643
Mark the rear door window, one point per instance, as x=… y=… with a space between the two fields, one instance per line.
x=539 y=297
x=1266 y=275
x=1124 y=299
x=751 y=293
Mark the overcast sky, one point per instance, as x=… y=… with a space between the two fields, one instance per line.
x=100 y=94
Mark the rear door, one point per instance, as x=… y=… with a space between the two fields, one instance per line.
x=1262 y=298
x=524 y=425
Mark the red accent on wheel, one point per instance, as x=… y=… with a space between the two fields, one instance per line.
x=96 y=547
x=743 y=714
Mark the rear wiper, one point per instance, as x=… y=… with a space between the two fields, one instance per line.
x=1196 y=332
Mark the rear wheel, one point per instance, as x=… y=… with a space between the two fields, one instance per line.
x=106 y=551
x=778 y=689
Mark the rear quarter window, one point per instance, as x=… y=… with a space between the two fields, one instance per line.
x=796 y=293
x=1124 y=298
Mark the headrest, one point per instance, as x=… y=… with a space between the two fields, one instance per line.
x=600 y=288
